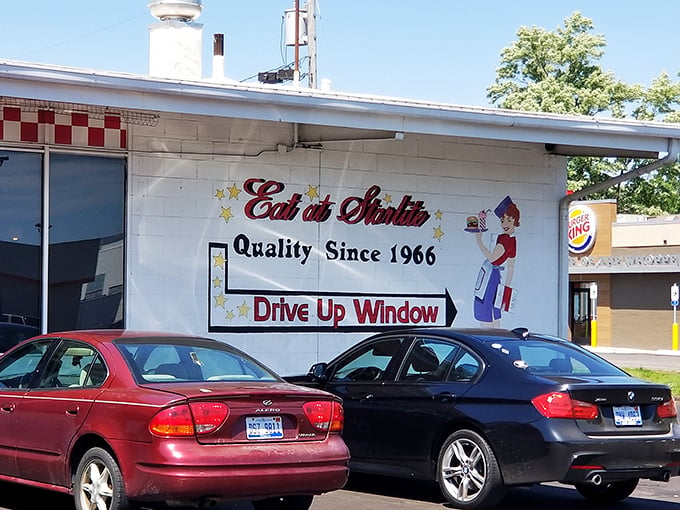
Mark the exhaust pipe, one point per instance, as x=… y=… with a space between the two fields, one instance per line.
x=596 y=479
x=663 y=477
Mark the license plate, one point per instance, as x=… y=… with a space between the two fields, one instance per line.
x=627 y=416
x=264 y=427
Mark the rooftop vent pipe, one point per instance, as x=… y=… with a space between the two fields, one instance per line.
x=218 y=57
x=177 y=10
x=175 y=41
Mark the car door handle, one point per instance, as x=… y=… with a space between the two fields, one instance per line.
x=365 y=397
x=72 y=412
x=445 y=396
x=7 y=408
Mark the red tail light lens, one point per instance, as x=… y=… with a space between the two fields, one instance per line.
x=188 y=420
x=325 y=415
x=667 y=409
x=561 y=405
x=209 y=416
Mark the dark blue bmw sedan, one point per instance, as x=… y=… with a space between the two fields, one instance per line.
x=482 y=410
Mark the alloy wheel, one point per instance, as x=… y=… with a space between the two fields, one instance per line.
x=464 y=469
x=468 y=472
x=96 y=488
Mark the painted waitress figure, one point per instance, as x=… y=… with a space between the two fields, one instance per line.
x=493 y=291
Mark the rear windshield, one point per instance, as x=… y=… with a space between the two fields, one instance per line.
x=554 y=358
x=165 y=362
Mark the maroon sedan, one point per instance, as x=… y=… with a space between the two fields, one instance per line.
x=120 y=418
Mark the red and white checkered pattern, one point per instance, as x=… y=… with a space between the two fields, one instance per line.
x=76 y=129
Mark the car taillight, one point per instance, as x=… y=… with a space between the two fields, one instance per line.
x=561 y=405
x=667 y=409
x=186 y=420
x=325 y=415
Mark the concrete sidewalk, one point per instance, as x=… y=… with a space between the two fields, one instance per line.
x=639 y=358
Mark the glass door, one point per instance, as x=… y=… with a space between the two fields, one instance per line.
x=580 y=313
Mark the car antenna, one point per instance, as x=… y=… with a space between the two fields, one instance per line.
x=522 y=333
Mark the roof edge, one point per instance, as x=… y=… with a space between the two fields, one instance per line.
x=591 y=136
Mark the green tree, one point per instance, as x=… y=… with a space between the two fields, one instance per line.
x=558 y=72
x=661 y=101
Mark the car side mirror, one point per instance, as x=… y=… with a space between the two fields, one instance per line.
x=318 y=372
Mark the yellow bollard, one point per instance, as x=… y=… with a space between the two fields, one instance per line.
x=675 y=336
x=593 y=333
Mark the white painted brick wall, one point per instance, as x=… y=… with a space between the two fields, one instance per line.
x=174 y=213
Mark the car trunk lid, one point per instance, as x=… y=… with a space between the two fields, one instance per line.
x=625 y=408
x=258 y=412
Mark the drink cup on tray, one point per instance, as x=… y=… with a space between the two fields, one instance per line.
x=482 y=221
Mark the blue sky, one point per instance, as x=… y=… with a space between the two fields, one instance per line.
x=437 y=50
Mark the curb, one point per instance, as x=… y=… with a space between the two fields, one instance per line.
x=627 y=350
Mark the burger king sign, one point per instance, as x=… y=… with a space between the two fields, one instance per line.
x=582 y=228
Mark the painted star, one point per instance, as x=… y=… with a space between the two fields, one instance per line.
x=438 y=233
x=388 y=198
x=243 y=310
x=438 y=214
x=226 y=214
x=220 y=300
x=217 y=282
x=219 y=260
x=233 y=192
x=230 y=315
x=312 y=192
x=219 y=194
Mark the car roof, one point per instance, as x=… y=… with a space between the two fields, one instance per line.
x=109 y=335
x=484 y=335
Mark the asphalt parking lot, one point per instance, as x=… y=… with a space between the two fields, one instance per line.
x=379 y=493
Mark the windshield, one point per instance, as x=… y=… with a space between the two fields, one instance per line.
x=190 y=360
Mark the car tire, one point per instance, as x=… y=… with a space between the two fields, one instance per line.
x=607 y=492
x=302 y=502
x=468 y=473
x=98 y=483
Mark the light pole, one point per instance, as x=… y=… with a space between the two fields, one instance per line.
x=311 y=44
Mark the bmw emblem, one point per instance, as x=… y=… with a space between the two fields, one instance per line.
x=631 y=396
x=268 y=403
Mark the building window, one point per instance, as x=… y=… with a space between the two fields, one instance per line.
x=82 y=197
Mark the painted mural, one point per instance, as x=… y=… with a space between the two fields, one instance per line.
x=494 y=294
x=308 y=257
